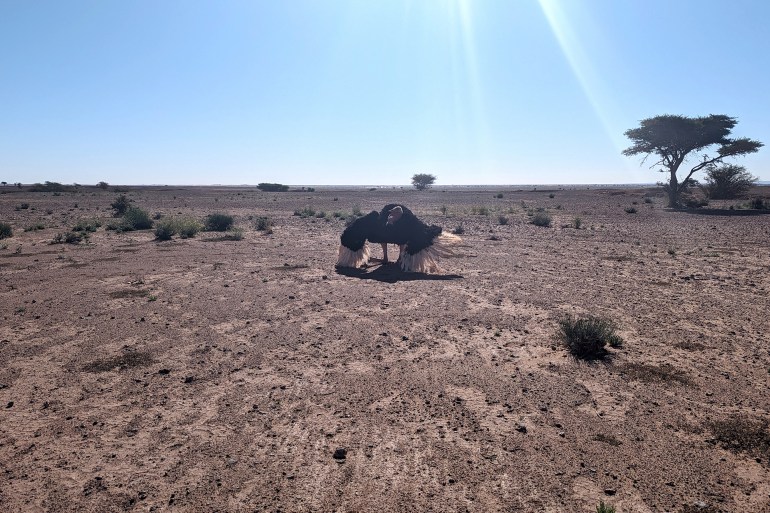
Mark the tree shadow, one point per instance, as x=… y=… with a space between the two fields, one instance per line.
x=392 y=273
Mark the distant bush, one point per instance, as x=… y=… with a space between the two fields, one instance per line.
x=51 y=187
x=218 y=222
x=577 y=223
x=481 y=211
x=630 y=210
x=23 y=206
x=502 y=220
x=648 y=200
x=272 y=187
x=34 y=227
x=586 y=338
x=541 y=219
x=552 y=195
x=6 y=231
x=120 y=205
x=103 y=185
x=759 y=204
x=459 y=230
x=136 y=218
x=357 y=211
x=499 y=195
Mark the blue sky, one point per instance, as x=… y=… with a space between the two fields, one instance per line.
x=367 y=91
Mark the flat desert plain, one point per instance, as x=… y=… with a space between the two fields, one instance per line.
x=207 y=374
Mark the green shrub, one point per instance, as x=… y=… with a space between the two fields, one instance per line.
x=6 y=231
x=502 y=220
x=541 y=219
x=577 y=223
x=136 y=218
x=165 y=229
x=604 y=508
x=218 y=222
x=34 y=227
x=187 y=227
x=481 y=211
x=120 y=205
x=357 y=211
x=586 y=338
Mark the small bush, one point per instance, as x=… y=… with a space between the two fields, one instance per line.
x=758 y=204
x=272 y=187
x=6 y=231
x=23 y=206
x=499 y=195
x=86 y=225
x=502 y=220
x=165 y=229
x=459 y=230
x=604 y=508
x=265 y=224
x=648 y=200
x=305 y=212
x=120 y=205
x=218 y=222
x=577 y=223
x=541 y=219
x=70 y=238
x=34 y=227
x=552 y=195
x=233 y=234
x=136 y=218
x=630 y=210
x=586 y=338
x=481 y=211
x=187 y=227
x=443 y=209
x=357 y=211
x=103 y=185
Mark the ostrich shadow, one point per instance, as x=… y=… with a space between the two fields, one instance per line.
x=392 y=273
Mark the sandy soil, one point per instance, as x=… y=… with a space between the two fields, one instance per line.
x=214 y=375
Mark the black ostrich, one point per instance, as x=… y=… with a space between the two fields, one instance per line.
x=421 y=245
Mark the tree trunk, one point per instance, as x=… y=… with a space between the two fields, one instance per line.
x=673 y=191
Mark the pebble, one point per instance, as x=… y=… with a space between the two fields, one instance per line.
x=340 y=454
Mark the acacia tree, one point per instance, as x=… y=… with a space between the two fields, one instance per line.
x=672 y=139
x=422 y=181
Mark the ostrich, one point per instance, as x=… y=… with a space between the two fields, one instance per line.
x=421 y=245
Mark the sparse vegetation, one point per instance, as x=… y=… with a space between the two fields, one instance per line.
x=34 y=227
x=586 y=338
x=502 y=220
x=630 y=210
x=165 y=229
x=70 y=238
x=604 y=508
x=459 y=230
x=50 y=187
x=86 y=225
x=218 y=222
x=577 y=222
x=541 y=219
x=743 y=435
x=233 y=234
x=305 y=212
x=727 y=181
x=103 y=185
x=480 y=210
x=759 y=204
x=499 y=195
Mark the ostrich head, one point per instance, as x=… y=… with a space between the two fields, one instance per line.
x=394 y=215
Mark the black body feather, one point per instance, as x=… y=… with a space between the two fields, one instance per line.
x=408 y=231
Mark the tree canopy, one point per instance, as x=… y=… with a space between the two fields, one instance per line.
x=673 y=138
x=422 y=181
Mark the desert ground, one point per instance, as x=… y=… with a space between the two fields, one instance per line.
x=207 y=374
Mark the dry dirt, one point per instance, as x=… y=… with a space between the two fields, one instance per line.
x=217 y=375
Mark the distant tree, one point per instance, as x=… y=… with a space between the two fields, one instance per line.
x=727 y=181
x=103 y=185
x=4 y=183
x=422 y=181
x=672 y=139
x=272 y=187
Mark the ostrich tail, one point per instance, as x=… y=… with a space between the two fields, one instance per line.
x=426 y=261
x=349 y=258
